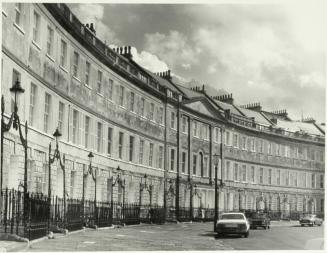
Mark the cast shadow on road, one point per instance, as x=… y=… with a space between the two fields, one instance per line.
x=213 y=234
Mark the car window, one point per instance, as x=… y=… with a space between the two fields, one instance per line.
x=232 y=216
x=259 y=215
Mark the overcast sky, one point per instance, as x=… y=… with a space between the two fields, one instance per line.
x=272 y=54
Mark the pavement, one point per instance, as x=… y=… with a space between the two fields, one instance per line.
x=283 y=235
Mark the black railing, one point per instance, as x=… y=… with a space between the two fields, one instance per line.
x=80 y=213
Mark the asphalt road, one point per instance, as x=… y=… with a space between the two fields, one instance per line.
x=196 y=236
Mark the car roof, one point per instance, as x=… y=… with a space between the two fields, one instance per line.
x=233 y=213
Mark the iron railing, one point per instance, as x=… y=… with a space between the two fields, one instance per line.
x=34 y=215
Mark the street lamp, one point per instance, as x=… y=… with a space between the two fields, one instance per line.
x=15 y=121
x=147 y=187
x=56 y=156
x=5 y=127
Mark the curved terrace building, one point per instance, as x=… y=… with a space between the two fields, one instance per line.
x=104 y=102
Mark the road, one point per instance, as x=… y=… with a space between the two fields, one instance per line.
x=182 y=236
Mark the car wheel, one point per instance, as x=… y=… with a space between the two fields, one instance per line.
x=268 y=227
x=311 y=225
x=302 y=225
x=246 y=235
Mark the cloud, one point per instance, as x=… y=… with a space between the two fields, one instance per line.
x=149 y=61
x=94 y=13
x=173 y=48
x=312 y=80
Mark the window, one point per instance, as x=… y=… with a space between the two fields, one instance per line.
x=243 y=173
x=184 y=124
x=295 y=179
x=261 y=176
x=313 y=181
x=172 y=120
x=235 y=140
x=87 y=131
x=131 y=102
x=195 y=128
x=110 y=88
x=287 y=178
x=18 y=13
x=142 y=106
x=183 y=161
x=36 y=27
x=252 y=174
x=75 y=64
x=87 y=73
x=227 y=138
x=63 y=54
x=109 y=140
x=47 y=108
x=75 y=126
x=322 y=205
x=229 y=175
x=120 y=146
x=235 y=171
x=269 y=176
x=32 y=104
x=151 y=154
x=61 y=116
x=261 y=146
x=50 y=41
x=216 y=134
x=244 y=143
x=278 y=177
x=131 y=148
x=99 y=82
x=269 y=148
x=99 y=137
x=277 y=149
x=194 y=164
x=304 y=180
x=141 y=151
x=205 y=166
x=161 y=115
x=151 y=112
x=206 y=132
x=121 y=95
x=172 y=159
x=321 y=181
x=160 y=157
x=252 y=145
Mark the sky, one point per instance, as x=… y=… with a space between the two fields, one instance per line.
x=268 y=53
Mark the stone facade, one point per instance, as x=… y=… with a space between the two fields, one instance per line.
x=104 y=102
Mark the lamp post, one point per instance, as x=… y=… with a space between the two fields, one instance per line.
x=239 y=199
x=56 y=156
x=5 y=127
x=216 y=192
x=147 y=187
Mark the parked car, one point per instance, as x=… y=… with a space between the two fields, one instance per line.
x=259 y=219
x=310 y=220
x=233 y=223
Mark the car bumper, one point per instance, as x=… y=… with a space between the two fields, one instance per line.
x=227 y=230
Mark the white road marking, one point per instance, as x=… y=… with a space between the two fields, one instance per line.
x=88 y=242
x=121 y=235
